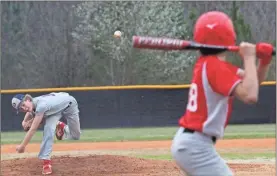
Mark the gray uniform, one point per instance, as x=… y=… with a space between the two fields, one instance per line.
x=196 y=154
x=55 y=106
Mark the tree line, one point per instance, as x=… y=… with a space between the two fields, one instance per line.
x=65 y=44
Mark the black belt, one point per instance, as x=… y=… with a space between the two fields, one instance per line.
x=187 y=130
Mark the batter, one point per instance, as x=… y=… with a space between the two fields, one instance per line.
x=49 y=108
x=214 y=84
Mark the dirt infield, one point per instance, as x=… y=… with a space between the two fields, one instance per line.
x=106 y=164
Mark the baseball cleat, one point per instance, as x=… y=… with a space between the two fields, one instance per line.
x=47 y=168
x=60 y=130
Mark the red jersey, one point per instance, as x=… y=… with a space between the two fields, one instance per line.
x=210 y=101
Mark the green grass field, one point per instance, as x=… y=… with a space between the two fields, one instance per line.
x=230 y=156
x=142 y=134
x=165 y=133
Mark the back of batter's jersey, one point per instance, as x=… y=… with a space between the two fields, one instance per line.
x=52 y=103
x=209 y=104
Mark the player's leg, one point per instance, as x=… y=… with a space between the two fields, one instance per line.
x=71 y=130
x=47 y=142
x=196 y=155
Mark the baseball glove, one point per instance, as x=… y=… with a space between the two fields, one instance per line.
x=27 y=125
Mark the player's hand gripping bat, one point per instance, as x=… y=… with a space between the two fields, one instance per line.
x=262 y=49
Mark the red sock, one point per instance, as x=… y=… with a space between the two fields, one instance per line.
x=62 y=124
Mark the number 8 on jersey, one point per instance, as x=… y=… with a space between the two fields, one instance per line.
x=192 y=101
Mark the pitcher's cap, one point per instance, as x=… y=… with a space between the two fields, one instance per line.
x=17 y=100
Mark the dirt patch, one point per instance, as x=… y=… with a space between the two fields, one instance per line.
x=114 y=165
x=111 y=165
x=98 y=165
x=253 y=169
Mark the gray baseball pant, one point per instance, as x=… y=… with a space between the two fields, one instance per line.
x=72 y=129
x=196 y=155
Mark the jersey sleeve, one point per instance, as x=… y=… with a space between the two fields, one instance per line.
x=41 y=108
x=222 y=76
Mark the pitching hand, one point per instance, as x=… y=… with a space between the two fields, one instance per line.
x=20 y=149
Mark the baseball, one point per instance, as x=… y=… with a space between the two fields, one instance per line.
x=117 y=34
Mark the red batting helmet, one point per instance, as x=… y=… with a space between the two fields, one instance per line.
x=214 y=28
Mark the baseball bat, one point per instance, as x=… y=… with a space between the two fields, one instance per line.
x=157 y=43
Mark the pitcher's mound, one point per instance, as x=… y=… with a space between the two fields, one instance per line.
x=110 y=165
x=94 y=165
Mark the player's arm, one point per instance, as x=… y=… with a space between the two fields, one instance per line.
x=40 y=111
x=35 y=125
x=247 y=90
x=225 y=81
x=262 y=71
x=264 y=63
